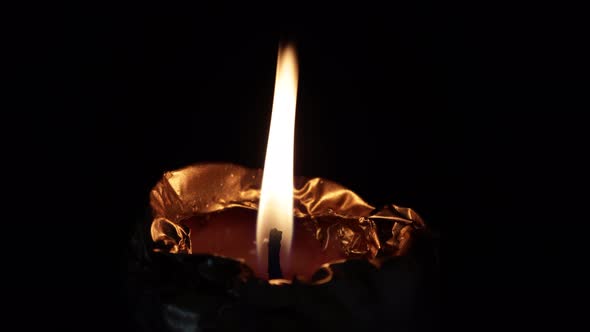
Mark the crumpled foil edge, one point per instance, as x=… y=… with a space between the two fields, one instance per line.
x=199 y=189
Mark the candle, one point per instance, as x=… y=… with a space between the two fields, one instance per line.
x=212 y=208
x=216 y=226
x=231 y=211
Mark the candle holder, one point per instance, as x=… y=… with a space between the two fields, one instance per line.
x=386 y=271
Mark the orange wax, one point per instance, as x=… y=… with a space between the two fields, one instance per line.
x=232 y=233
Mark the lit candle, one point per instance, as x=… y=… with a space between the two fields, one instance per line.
x=223 y=222
x=231 y=211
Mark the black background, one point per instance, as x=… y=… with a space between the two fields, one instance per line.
x=445 y=109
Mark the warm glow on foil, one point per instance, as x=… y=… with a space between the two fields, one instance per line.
x=276 y=196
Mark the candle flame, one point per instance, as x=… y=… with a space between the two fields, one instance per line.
x=276 y=196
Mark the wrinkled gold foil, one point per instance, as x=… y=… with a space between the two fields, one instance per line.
x=339 y=214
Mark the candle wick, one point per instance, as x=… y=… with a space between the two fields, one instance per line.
x=274 y=249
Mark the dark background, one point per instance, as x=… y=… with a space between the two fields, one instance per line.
x=179 y=85
x=444 y=109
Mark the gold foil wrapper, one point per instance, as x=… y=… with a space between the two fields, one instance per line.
x=338 y=213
